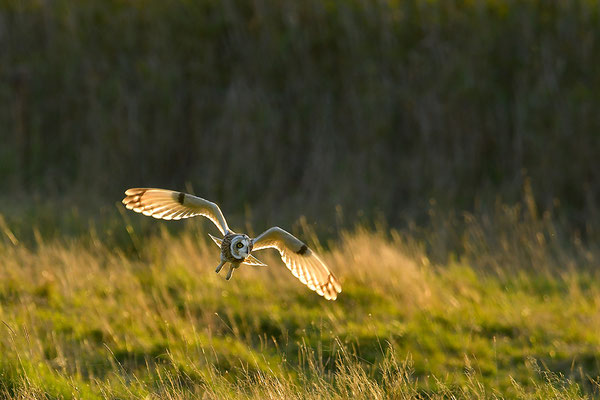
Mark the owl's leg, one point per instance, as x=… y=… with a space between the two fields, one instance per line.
x=220 y=266
x=231 y=268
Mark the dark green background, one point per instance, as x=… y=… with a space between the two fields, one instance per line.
x=273 y=105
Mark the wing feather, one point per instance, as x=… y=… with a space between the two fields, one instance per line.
x=301 y=261
x=172 y=205
x=253 y=261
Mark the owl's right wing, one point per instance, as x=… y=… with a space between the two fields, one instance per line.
x=301 y=261
x=169 y=204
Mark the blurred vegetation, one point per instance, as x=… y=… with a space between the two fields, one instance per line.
x=377 y=106
x=448 y=149
x=516 y=317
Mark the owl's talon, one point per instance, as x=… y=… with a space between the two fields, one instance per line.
x=220 y=267
x=230 y=273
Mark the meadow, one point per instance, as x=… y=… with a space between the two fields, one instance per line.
x=514 y=316
x=443 y=155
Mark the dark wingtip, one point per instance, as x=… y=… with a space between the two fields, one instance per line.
x=302 y=250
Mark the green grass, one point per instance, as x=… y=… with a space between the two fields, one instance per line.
x=81 y=319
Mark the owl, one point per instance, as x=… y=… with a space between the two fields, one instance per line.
x=236 y=248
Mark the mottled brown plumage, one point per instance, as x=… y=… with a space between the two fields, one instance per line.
x=226 y=252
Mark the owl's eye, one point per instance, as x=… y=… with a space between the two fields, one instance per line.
x=239 y=245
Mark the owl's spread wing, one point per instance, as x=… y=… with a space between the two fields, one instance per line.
x=168 y=204
x=301 y=260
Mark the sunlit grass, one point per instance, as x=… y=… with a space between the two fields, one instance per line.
x=84 y=320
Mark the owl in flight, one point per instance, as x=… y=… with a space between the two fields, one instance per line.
x=236 y=248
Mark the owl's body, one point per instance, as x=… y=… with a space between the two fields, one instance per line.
x=229 y=249
x=236 y=248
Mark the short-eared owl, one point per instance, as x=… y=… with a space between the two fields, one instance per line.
x=236 y=247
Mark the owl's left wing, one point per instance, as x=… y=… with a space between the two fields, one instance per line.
x=301 y=261
x=169 y=204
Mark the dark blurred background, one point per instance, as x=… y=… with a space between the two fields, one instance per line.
x=281 y=108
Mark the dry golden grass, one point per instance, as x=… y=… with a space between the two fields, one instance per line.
x=84 y=320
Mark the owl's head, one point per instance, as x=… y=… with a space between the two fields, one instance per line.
x=241 y=246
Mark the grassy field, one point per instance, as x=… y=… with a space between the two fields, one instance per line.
x=419 y=119
x=515 y=316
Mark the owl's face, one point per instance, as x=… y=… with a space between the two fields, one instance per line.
x=241 y=246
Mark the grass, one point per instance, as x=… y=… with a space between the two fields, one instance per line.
x=374 y=107
x=82 y=319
